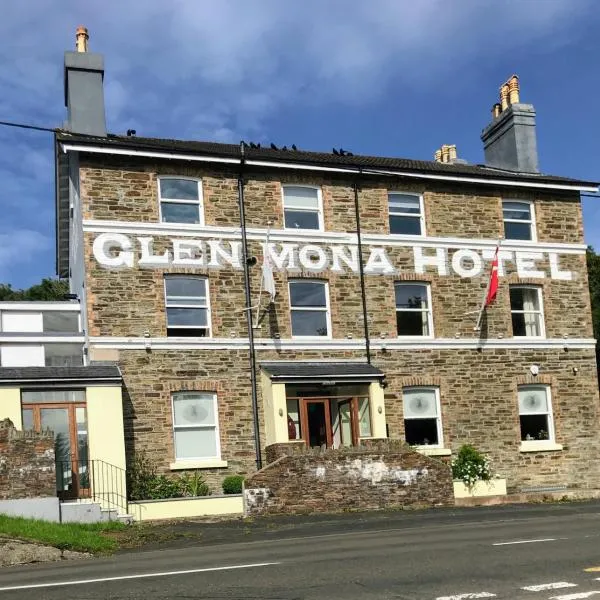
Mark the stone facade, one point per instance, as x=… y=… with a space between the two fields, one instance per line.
x=26 y=463
x=478 y=384
x=389 y=475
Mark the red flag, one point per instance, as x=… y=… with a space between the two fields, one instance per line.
x=493 y=284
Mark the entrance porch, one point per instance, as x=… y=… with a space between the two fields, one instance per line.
x=322 y=405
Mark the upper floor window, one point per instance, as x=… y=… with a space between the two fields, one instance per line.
x=195 y=426
x=519 y=222
x=406 y=214
x=526 y=311
x=187 y=305
x=180 y=200
x=61 y=322
x=413 y=309
x=535 y=413
x=422 y=416
x=309 y=307
x=302 y=207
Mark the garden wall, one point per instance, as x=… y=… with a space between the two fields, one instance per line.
x=387 y=474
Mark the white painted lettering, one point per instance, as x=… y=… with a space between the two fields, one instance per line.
x=339 y=256
x=219 y=256
x=189 y=253
x=379 y=263
x=463 y=270
x=503 y=256
x=555 y=272
x=438 y=260
x=286 y=259
x=313 y=258
x=526 y=266
x=148 y=258
x=106 y=243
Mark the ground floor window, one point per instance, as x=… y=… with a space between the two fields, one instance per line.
x=195 y=426
x=64 y=413
x=422 y=420
x=535 y=413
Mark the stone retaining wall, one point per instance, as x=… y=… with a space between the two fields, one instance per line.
x=387 y=475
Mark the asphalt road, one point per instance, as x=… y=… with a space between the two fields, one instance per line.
x=455 y=554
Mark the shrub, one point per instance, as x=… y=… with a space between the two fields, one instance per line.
x=471 y=466
x=143 y=483
x=193 y=484
x=233 y=484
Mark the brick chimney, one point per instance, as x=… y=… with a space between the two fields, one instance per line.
x=84 y=91
x=510 y=140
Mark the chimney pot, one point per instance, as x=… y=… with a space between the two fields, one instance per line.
x=445 y=153
x=82 y=37
x=504 y=90
x=438 y=155
x=513 y=90
x=496 y=110
x=452 y=152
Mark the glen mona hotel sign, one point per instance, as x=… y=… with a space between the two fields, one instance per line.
x=120 y=251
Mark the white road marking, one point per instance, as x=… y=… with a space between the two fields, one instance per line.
x=141 y=576
x=548 y=586
x=524 y=542
x=468 y=596
x=578 y=596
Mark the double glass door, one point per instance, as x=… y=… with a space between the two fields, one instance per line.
x=69 y=423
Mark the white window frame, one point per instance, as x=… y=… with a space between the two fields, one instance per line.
x=199 y=202
x=421 y=214
x=550 y=415
x=427 y=286
x=531 y=220
x=303 y=209
x=175 y=427
x=539 y=312
x=309 y=308
x=185 y=305
x=438 y=404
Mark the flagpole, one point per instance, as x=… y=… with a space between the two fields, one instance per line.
x=487 y=289
x=266 y=249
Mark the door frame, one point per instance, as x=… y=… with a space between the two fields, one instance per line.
x=304 y=402
x=76 y=491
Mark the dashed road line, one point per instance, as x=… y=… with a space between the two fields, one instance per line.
x=549 y=586
x=578 y=596
x=471 y=596
x=524 y=542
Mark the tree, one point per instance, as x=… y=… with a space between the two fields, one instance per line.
x=48 y=289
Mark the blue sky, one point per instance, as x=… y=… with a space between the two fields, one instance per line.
x=387 y=77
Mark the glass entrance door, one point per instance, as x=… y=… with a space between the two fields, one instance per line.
x=69 y=424
x=316 y=423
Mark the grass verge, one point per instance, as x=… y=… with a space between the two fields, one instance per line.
x=80 y=537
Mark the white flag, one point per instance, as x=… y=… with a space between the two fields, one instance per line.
x=268 y=282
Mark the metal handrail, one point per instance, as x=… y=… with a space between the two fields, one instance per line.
x=95 y=479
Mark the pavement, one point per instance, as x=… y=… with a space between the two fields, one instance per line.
x=539 y=552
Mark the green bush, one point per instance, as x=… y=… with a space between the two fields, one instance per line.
x=233 y=484
x=471 y=466
x=143 y=482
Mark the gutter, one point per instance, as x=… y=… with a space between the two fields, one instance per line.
x=582 y=187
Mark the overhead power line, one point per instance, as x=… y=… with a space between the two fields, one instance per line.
x=26 y=126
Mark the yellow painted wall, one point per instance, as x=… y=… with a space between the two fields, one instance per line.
x=378 y=429
x=10 y=406
x=276 y=431
x=106 y=443
x=186 y=507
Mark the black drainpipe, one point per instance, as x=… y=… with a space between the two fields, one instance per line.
x=362 y=274
x=249 y=309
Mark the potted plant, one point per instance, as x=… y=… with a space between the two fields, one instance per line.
x=473 y=476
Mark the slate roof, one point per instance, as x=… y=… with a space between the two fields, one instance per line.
x=345 y=371
x=310 y=158
x=41 y=374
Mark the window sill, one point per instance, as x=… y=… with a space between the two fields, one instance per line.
x=198 y=464
x=540 y=446
x=427 y=451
